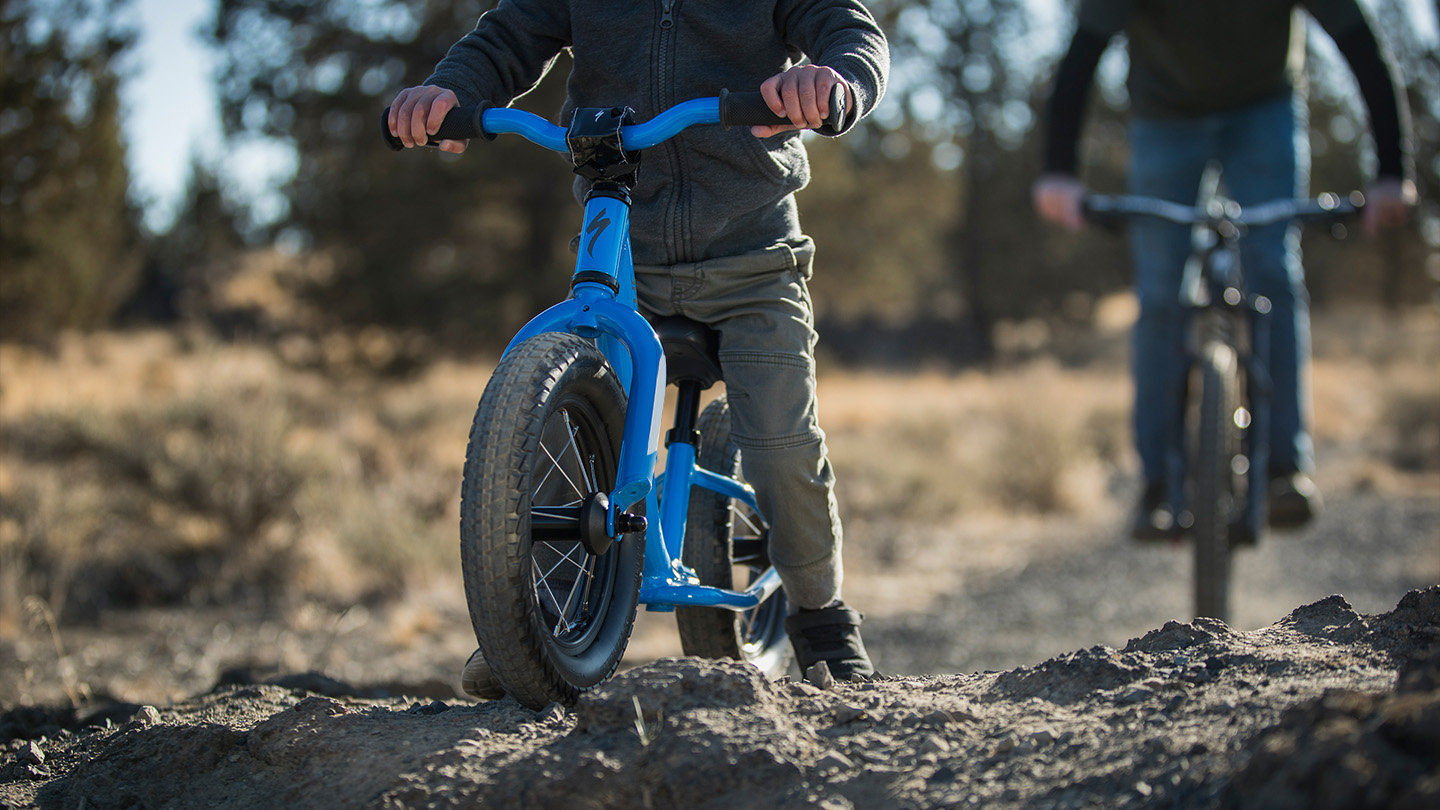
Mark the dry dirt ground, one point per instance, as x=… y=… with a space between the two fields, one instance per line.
x=1325 y=708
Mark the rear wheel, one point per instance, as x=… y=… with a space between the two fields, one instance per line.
x=552 y=616
x=726 y=543
x=1217 y=454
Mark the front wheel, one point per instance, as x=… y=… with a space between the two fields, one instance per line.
x=1215 y=501
x=552 y=618
x=726 y=544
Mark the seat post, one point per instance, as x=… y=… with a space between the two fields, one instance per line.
x=687 y=413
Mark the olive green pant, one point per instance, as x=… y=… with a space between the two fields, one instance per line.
x=759 y=303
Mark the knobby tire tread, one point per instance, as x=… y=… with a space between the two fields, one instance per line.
x=504 y=440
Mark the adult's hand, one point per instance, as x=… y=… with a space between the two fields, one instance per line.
x=1057 y=198
x=1387 y=204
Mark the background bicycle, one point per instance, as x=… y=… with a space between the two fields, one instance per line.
x=1221 y=501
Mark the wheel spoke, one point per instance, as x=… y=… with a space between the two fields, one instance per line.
x=555 y=466
x=576 y=586
x=747 y=517
x=588 y=473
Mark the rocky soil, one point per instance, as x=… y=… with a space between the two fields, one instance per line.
x=1325 y=708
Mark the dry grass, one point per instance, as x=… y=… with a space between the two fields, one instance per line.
x=157 y=468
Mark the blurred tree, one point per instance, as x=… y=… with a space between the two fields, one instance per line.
x=467 y=248
x=187 y=262
x=70 y=242
x=969 y=74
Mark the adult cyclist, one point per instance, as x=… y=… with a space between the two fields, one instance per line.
x=1214 y=82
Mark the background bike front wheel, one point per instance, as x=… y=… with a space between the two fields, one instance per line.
x=1217 y=444
x=552 y=619
x=726 y=544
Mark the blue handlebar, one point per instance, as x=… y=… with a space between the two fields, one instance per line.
x=728 y=109
x=666 y=125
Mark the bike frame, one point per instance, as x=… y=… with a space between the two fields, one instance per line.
x=602 y=307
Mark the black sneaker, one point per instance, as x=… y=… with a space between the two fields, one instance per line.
x=478 y=681
x=832 y=635
x=1294 y=499
x=1154 y=518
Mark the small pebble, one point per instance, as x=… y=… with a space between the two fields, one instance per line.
x=819 y=675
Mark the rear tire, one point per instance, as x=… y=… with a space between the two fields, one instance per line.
x=1214 y=501
x=726 y=543
x=551 y=618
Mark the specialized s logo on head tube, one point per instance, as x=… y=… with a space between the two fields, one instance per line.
x=596 y=227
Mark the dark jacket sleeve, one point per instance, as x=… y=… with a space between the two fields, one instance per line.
x=840 y=34
x=1068 y=99
x=511 y=48
x=1388 y=110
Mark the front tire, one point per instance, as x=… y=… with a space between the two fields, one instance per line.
x=551 y=618
x=726 y=544
x=1215 y=501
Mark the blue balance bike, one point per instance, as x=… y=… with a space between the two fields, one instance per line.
x=565 y=525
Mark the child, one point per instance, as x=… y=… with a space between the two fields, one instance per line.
x=716 y=235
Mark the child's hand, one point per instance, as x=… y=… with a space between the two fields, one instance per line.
x=416 y=113
x=801 y=94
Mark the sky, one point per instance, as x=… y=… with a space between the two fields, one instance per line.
x=172 y=113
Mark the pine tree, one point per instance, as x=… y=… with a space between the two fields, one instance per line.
x=70 y=242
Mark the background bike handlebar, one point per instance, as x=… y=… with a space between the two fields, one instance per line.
x=1111 y=211
x=728 y=109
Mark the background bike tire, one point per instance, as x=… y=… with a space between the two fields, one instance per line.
x=710 y=551
x=1217 y=443
x=537 y=386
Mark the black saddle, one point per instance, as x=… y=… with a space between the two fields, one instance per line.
x=692 y=350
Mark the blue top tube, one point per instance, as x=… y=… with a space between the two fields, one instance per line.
x=666 y=125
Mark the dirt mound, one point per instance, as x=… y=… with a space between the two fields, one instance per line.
x=1326 y=708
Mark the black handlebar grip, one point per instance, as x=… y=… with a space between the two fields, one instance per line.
x=1102 y=215
x=460 y=124
x=748 y=109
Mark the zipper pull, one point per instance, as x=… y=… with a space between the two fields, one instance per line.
x=667 y=21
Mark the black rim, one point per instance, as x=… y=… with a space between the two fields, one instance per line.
x=572 y=587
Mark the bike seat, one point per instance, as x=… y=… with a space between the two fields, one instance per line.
x=692 y=350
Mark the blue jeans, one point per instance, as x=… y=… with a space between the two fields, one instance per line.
x=1263 y=149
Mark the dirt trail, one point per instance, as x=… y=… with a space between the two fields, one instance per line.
x=1325 y=708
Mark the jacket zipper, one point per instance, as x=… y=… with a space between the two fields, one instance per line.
x=665 y=93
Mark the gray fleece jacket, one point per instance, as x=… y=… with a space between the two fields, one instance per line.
x=709 y=192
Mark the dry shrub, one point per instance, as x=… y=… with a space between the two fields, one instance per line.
x=1411 y=415
x=137 y=470
x=146 y=506
x=930 y=449
x=1058 y=435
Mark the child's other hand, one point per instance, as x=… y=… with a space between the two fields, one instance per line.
x=416 y=113
x=801 y=94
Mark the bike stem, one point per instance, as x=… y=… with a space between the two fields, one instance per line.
x=603 y=273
